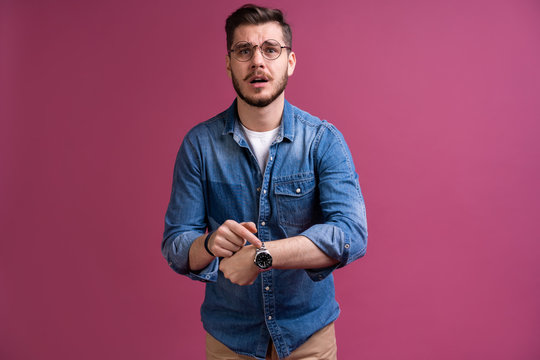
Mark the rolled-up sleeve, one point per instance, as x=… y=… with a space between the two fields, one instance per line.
x=177 y=253
x=185 y=219
x=343 y=233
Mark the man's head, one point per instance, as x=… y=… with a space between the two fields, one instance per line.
x=255 y=15
x=259 y=59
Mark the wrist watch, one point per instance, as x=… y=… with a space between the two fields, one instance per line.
x=263 y=259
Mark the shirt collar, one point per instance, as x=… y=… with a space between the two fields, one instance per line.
x=287 y=122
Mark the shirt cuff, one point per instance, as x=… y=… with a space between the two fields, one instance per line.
x=332 y=241
x=208 y=274
x=321 y=274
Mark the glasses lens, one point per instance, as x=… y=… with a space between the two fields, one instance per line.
x=242 y=51
x=271 y=49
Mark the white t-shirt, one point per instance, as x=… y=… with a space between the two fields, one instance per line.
x=260 y=144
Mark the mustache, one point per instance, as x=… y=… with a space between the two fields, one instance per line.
x=257 y=73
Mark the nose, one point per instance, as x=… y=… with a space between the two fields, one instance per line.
x=257 y=60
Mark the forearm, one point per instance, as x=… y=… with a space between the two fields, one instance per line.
x=199 y=258
x=292 y=253
x=298 y=252
x=228 y=239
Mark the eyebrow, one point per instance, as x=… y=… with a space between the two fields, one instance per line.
x=243 y=44
x=248 y=43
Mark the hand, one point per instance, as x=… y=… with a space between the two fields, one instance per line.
x=240 y=268
x=231 y=236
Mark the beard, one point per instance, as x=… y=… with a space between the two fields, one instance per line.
x=281 y=84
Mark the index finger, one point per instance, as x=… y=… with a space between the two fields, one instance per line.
x=247 y=235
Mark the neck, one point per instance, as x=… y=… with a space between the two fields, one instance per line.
x=261 y=119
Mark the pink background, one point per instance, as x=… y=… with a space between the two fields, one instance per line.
x=438 y=100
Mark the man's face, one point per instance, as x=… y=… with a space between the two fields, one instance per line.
x=260 y=81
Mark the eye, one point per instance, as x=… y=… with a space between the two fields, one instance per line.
x=242 y=48
x=271 y=50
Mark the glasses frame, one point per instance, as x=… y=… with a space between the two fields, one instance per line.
x=260 y=49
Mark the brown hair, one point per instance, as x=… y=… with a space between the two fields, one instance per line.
x=250 y=14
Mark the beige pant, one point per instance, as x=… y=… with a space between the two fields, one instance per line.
x=320 y=346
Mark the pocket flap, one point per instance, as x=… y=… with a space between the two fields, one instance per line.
x=295 y=187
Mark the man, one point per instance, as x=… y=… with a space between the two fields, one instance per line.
x=275 y=188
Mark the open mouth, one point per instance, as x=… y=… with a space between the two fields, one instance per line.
x=258 y=80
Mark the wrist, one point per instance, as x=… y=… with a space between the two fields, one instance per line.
x=206 y=241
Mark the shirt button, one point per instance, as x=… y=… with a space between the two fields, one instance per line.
x=267 y=288
x=269 y=317
x=271 y=158
x=264 y=191
x=347 y=246
x=258 y=189
x=298 y=191
x=263 y=223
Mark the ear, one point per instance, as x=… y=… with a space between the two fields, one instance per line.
x=228 y=62
x=291 y=63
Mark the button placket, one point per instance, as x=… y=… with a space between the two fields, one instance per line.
x=268 y=301
x=264 y=235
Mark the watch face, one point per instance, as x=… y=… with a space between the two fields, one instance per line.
x=264 y=260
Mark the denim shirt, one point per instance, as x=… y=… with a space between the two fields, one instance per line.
x=309 y=187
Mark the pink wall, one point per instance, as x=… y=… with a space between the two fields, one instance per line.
x=439 y=101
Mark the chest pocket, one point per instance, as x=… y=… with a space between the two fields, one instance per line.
x=296 y=202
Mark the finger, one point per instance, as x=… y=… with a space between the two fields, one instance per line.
x=223 y=254
x=221 y=247
x=227 y=245
x=225 y=251
x=226 y=235
x=222 y=263
x=250 y=226
x=246 y=234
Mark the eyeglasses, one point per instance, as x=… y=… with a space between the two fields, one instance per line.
x=270 y=49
